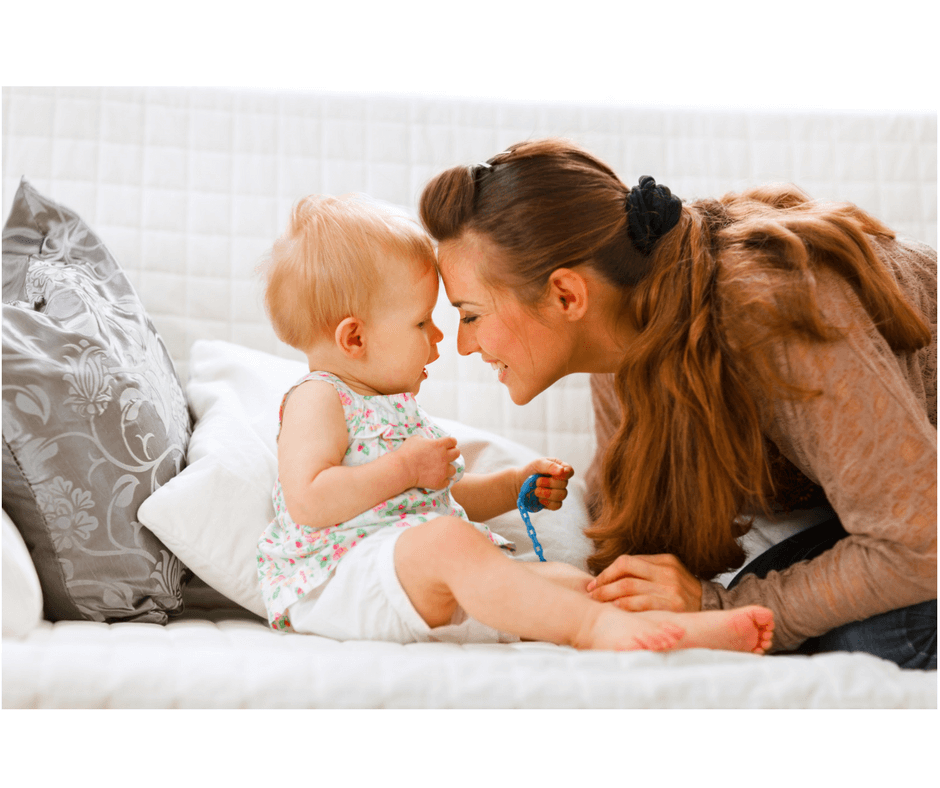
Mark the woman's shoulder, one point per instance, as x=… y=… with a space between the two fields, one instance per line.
x=911 y=264
x=914 y=267
x=762 y=303
x=909 y=249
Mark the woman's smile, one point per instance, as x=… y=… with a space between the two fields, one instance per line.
x=525 y=353
x=500 y=369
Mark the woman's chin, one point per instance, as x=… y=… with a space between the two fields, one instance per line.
x=523 y=392
x=520 y=397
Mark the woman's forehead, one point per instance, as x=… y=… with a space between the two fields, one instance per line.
x=463 y=258
x=459 y=271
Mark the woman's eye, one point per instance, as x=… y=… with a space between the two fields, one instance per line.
x=468 y=319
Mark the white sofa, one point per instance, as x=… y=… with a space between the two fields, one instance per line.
x=188 y=188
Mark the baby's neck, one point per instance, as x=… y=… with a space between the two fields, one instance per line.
x=350 y=371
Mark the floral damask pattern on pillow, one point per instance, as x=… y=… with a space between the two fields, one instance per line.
x=94 y=420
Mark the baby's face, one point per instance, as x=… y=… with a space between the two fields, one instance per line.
x=401 y=336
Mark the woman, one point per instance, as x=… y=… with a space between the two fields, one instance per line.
x=761 y=353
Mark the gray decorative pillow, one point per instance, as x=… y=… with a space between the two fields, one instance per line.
x=94 y=420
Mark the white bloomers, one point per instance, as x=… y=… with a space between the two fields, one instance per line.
x=364 y=600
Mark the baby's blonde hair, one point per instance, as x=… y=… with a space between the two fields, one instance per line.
x=327 y=265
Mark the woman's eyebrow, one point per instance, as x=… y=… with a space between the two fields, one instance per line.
x=462 y=304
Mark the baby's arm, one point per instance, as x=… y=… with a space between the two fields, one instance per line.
x=489 y=495
x=319 y=491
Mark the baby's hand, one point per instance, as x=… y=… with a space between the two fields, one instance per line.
x=428 y=461
x=551 y=490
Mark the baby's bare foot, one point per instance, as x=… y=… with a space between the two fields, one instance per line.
x=665 y=638
x=763 y=620
x=612 y=629
x=748 y=629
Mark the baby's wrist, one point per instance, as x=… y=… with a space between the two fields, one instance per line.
x=405 y=473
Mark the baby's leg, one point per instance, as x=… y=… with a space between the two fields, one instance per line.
x=447 y=562
x=737 y=629
x=561 y=573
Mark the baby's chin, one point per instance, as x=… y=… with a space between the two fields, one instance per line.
x=417 y=386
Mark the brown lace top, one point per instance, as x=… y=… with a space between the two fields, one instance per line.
x=868 y=444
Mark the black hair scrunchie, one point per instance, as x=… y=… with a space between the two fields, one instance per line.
x=652 y=211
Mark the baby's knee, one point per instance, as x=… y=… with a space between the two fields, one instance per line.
x=454 y=529
x=454 y=536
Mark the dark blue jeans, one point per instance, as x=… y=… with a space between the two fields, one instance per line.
x=907 y=637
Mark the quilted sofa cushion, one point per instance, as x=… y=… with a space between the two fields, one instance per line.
x=22 y=593
x=94 y=420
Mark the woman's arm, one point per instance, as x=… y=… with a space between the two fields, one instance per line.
x=868 y=441
x=319 y=491
x=489 y=495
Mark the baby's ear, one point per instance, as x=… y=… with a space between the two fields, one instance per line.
x=350 y=337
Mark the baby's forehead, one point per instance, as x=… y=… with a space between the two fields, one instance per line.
x=412 y=265
x=409 y=274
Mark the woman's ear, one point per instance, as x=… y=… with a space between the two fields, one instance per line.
x=568 y=292
x=350 y=337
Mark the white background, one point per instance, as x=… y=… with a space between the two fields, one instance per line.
x=781 y=54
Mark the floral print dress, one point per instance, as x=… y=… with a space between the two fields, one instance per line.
x=294 y=559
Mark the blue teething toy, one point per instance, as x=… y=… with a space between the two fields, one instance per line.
x=529 y=502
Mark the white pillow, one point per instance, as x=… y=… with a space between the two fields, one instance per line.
x=212 y=513
x=560 y=533
x=22 y=594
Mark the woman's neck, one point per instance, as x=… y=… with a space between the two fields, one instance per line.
x=602 y=336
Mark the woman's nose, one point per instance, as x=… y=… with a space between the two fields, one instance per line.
x=466 y=340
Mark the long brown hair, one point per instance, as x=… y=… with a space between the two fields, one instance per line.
x=710 y=305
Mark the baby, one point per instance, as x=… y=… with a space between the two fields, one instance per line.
x=378 y=532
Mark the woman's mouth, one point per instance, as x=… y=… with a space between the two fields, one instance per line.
x=500 y=369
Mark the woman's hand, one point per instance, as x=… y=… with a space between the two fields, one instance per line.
x=551 y=490
x=648 y=582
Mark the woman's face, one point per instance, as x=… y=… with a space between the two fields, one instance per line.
x=528 y=351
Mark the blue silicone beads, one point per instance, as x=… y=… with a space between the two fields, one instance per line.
x=529 y=502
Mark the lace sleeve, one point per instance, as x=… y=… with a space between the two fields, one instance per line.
x=868 y=441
